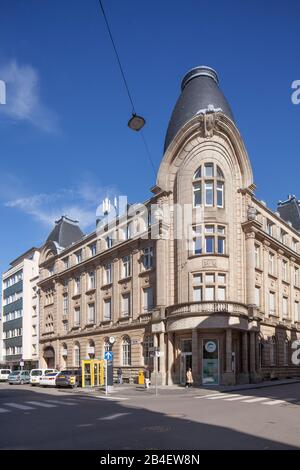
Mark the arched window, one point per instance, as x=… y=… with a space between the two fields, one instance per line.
x=91 y=349
x=77 y=355
x=49 y=324
x=64 y=350
x=208 y=186
x=148 y=344
x=126 y=351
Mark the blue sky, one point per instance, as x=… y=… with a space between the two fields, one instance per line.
x=64 y=141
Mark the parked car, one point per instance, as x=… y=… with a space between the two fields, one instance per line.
x=48 y=380
x=4 y=373
x=69 y=378
x=19 y=377
x=37 y=374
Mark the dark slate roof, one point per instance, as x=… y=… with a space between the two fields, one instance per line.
x=290 y=211
x=66 y=232
x=199 y=89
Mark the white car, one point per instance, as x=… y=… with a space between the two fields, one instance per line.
x=4 y=373
x=49 y=380
x=37 y=374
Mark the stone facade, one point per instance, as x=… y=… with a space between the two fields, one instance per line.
x=224 y=301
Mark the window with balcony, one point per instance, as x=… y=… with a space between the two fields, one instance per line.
x=209 y=287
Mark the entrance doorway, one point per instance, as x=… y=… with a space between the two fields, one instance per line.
x=49 y=357
x=185 y=359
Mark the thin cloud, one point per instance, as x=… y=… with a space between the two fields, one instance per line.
x=23 y=100
x=79 y=204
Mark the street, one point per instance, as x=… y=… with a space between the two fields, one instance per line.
x=132 y=418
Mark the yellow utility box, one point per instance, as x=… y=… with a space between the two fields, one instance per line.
x=141 y=378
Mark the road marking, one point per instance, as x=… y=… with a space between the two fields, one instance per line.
x=3 y=410
x=111 y=398
x=40 y=403
x=115 y=416
x=18 y=406
x=210 y=395
x=58 y=402
x=238 y=397
x=254 y=400
x=220 y=397
x=273 y=402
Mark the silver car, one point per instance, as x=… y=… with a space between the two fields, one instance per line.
x=19 y=377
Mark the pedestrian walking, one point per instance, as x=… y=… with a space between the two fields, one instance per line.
x=120 y=375
x=189 y=378
x=147 y=378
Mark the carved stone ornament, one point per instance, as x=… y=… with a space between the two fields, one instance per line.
x=209 y=120
x=251 y=213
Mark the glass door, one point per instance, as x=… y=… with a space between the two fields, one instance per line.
x=210 y=362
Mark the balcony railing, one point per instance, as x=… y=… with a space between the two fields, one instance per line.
x=207 y=307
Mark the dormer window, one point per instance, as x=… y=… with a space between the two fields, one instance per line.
x=208 y=186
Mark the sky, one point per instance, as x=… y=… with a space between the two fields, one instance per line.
x=64 y=140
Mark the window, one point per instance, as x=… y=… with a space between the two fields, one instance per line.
x=51 y=270
x=109 y=241
x=272 y=310
x=91 y=313
x=210 y=183
x=197 y=240
x=126 y=351
x=284 y=270
x=148 y=345
x=257 y=296
x=209 y=286
x=220 y=194
x=270 y=228
x=148 y=257
x=284 y=307
x=296 y=311
x=107 y=309
x=77 y=355
x=126 y=266
x=294 y=244
x=93 y=249
x=108 y=274
x=147 y=299
x=78 y=257
x=209 y=194
x=92 y=280
x=197 y=194
x=257 y=256
x=65 y=305
x=282 y=236
x=271 y=263
x=77 y=316
x=77 y=286
x=125 y=307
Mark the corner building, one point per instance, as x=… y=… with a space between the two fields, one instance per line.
x=223 y=300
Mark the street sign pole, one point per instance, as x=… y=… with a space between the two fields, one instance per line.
x=106 y=386
x=156 y=372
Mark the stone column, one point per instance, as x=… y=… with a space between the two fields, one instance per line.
x=254 y=377
x=228 y=376
x=170 y=358
x=195 y=356
x=244 y=376
x=162 y=359
x=250 y=266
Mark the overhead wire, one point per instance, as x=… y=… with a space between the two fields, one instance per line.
x=126 y=84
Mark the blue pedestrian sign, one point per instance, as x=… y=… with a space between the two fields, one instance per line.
x=108 y=355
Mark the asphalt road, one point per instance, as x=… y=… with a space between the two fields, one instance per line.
x=34 y=418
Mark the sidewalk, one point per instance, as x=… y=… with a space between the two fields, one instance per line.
x=169 y=390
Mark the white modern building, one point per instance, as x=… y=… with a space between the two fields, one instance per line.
x=20 y=310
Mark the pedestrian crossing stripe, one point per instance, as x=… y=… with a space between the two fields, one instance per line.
x=245 y=399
